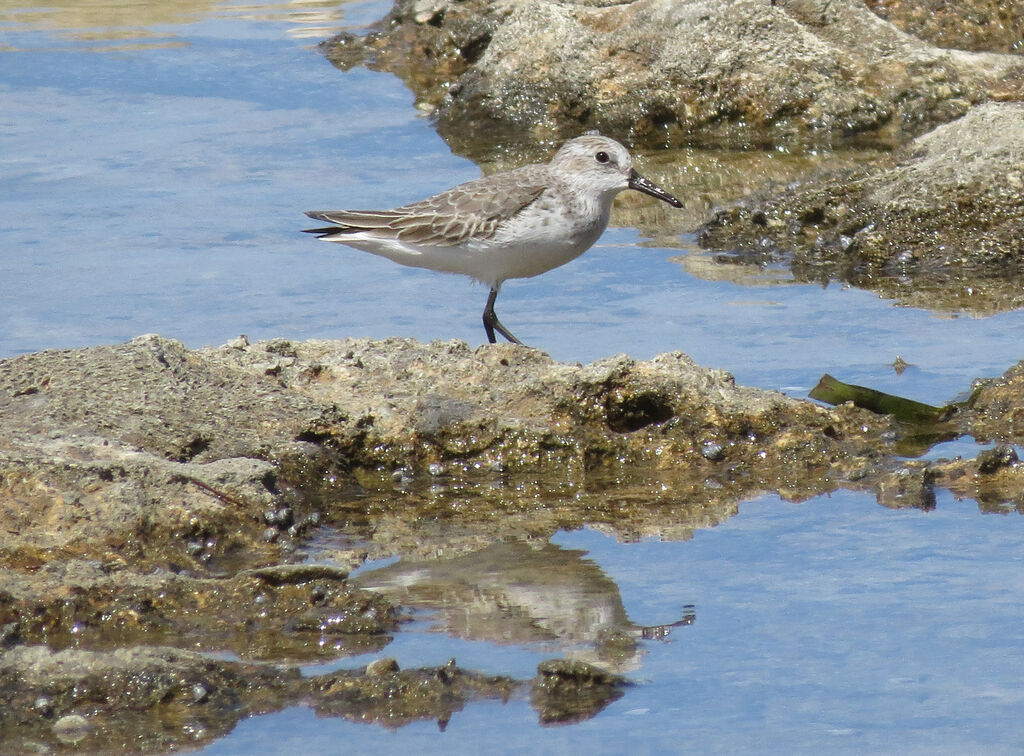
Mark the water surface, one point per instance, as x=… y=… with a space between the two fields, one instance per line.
x=157 y=160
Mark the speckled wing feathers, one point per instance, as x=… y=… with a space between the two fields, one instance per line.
x=474 y=210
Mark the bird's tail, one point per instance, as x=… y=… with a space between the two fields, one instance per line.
x=322 y=232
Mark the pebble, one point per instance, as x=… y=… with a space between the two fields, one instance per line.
x=382 y=667
x=71 y=727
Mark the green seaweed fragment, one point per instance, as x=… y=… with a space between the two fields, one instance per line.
x=833 y=391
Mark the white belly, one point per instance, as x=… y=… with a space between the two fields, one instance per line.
x=540 y=238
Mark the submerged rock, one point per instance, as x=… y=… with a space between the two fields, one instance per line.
x=938 y=225
x=739 y=72
x=567 y=690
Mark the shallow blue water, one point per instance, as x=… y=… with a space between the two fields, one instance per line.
x=153 y=188
x=157 y=183
x=832 y=626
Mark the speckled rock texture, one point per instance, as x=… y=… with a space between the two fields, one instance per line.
x=655 y=72
x=113 y=449
x=940 y=224
x=153 y=497
x=994 y=25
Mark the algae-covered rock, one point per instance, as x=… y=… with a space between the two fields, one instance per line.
x=128 y=700
x=939 y=225
x=997 y=408
x=98 y=474
x=567 y=690
x=741 y=71
x=394 y=697
x=140 y=482
x=309 y=616
x=994 y=25
x=158 y=699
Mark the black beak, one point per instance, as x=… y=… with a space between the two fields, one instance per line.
x=638 y=182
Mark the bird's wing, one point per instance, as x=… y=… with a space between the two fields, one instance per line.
x=473 y=210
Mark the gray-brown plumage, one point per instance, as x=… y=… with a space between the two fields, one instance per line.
x=473 y=210
x=515 y=224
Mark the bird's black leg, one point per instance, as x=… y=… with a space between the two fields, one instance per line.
x=491 y=322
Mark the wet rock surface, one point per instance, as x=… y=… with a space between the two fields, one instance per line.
x=97 y=474
x=979 y=25
x=76 y=602
x=127 y=700
x=133 y=561
x=938 y=225
x=997 y=408
x=662 y=71
x=401 y=406
x=159 y=699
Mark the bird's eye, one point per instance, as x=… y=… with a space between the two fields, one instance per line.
x=602 y=157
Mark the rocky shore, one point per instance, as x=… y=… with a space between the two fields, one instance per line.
x=738 y=73
x=939 y=224
x=159 y=504
x=936 y=223
x=181 y=526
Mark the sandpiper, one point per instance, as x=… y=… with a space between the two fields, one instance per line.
x=515 y=224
